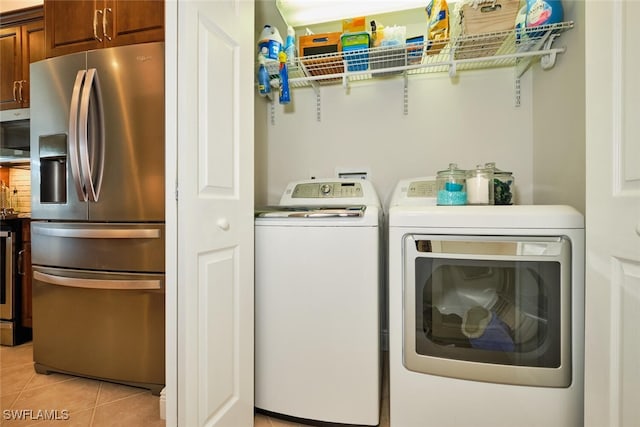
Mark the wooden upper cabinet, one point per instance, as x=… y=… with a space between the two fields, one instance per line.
x=21 y=43
x=32 y=51
x=76 y=26
x=69 y=27
x=137 y=21
x=11 y=69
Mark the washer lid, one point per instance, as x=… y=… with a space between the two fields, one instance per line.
x=319 y=216
x=311 y=211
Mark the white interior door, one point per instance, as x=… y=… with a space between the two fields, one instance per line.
x=612 y=371
x=215 y=212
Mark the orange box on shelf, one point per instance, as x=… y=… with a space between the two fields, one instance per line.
x=320 y=54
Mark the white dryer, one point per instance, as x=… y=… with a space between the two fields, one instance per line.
x=317 y=303
x=486 y=313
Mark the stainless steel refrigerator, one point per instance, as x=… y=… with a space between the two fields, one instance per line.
x=97 y=181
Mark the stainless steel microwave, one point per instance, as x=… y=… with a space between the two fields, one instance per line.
x=14 y=136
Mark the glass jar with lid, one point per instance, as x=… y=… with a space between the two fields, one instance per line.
x=503 y=185
x=451 y=186
x=480 y=186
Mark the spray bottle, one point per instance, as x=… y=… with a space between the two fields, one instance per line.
x=285 y=96
x=290 y=44
x=264 y=87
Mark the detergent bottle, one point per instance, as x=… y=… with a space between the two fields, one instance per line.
x=270 y=43
x=544 y=12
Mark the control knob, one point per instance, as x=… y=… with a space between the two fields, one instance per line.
x=325 y=189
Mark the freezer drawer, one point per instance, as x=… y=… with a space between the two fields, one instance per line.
x=98 y=246
x=101 y=325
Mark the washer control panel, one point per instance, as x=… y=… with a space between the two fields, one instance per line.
x=327 y=190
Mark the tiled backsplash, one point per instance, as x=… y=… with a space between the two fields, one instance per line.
x=20 y=179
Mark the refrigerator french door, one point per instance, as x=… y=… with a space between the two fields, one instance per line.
x=97 y=135
x=97 y=173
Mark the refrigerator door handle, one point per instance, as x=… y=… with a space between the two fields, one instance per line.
x=91 y=136
x=74 y=282
x=73 y=135
x=89 y=233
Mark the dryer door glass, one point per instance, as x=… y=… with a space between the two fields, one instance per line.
x=491 y=306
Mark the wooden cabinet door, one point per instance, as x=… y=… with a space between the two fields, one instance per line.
x=70 y=25
x=21 y=42
x=133 y=21
x=76 y=26
x=32 y=51
x=11 y=69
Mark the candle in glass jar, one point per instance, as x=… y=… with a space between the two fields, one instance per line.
x=478 y=190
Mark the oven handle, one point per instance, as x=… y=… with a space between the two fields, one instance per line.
x=21 y=262
x=74 y=282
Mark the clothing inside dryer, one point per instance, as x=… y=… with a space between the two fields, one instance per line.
x=491 y=311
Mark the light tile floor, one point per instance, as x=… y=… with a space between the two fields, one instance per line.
x=31 y=399
x=90 y=403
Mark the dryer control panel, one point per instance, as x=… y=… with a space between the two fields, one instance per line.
x=421 y=191
x=314 y=190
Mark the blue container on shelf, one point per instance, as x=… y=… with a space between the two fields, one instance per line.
x=355 y=49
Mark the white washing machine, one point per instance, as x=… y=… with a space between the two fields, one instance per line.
x=317 y=303
x=486 y=313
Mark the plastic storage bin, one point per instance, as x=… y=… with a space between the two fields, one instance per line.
x=355 y=49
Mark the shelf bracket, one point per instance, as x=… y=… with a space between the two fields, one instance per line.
x=452 y=62
x=345 y=77
x=272 y=110
x=316 y=89
x=516 y=88
x=548 y=60
x=406 y=94
x=452 y=69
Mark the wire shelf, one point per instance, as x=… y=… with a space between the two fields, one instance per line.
x=518 y=47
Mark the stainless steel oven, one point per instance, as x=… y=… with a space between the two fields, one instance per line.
x=489 y=308
x=7 y=285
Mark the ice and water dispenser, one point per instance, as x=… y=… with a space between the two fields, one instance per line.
x=53 y=168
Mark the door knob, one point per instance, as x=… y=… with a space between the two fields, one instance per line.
x=223 y=224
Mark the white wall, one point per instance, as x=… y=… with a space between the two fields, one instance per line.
x=468 y=122
x=559 y=120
